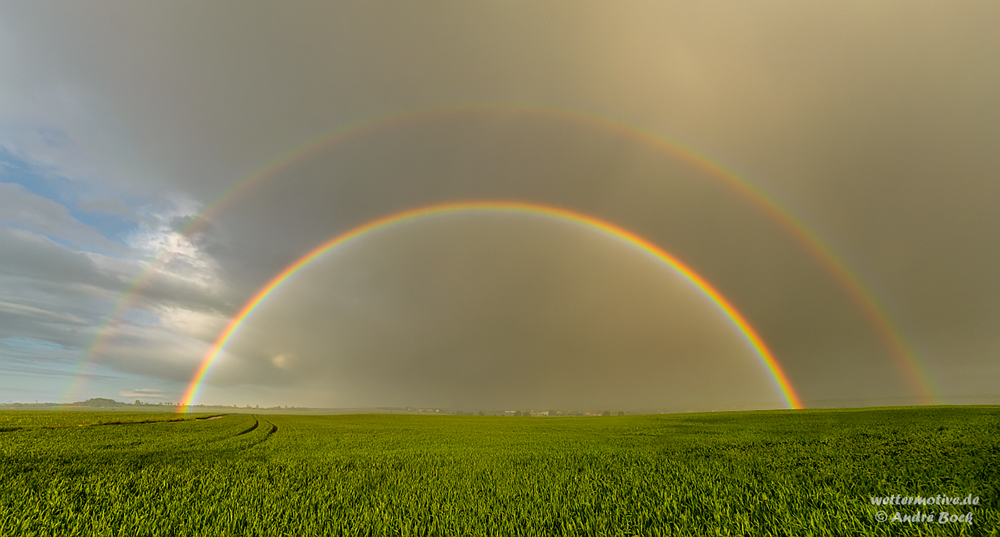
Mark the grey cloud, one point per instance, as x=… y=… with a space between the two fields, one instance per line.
x=38 y=260
x=56 y=294
x=40 y=314
x=105 y=205
x=152 y=352
x=33 y=257
x=48 y=373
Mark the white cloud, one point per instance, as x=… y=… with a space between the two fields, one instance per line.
x=40 y=314
x=173 y=253
x=205 y=326
x=148 y=393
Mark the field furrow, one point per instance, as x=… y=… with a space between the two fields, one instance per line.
x=249 y=429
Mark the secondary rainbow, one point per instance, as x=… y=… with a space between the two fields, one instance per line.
x=475 y=207
x=899 y=350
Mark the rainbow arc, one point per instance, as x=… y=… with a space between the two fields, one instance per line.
x=754 y=340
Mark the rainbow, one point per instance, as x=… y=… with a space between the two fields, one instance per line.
x=731 y=313
x=900 y=352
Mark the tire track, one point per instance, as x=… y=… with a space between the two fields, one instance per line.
x=273 y=429
x=252 y=427
x=266 y=430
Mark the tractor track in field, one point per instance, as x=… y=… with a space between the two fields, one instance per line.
x=256 y=422
x=273 y=429
x=140 y=422
x=263 y=425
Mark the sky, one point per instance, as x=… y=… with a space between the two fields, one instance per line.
x=830 y=170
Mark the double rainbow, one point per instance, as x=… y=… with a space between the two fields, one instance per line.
x=901 y=353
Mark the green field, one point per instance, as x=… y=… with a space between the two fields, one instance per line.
x=740 y=473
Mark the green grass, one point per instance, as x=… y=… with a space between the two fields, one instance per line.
x=746 y=473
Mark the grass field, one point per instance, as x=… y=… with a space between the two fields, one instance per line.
x=742 y=473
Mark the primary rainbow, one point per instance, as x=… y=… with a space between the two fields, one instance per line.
x=901 y=353
x=767 y=359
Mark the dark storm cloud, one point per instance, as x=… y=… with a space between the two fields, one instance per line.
x=874 y=124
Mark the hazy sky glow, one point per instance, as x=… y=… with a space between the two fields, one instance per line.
x=831 y=170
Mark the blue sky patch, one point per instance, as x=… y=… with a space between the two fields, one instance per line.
x=114 y=226
x=38 y=182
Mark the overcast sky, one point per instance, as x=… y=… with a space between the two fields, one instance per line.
x=874 y=125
